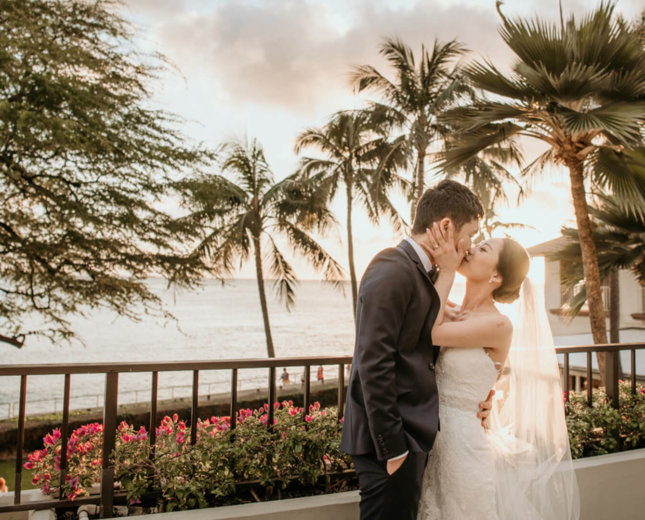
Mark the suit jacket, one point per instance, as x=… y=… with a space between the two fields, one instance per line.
x=392 y=402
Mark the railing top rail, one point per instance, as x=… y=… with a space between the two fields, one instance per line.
x=178 y=366
x=169 y=366
x=607 y=347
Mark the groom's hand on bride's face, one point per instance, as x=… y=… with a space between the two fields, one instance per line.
x=485 y=407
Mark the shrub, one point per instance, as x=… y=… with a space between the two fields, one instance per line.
x=601 y=429
x=303 y=447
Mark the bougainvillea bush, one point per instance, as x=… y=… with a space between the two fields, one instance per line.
x=300 y=447
x=601 y=429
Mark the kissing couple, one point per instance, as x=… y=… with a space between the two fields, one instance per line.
x=455 y=412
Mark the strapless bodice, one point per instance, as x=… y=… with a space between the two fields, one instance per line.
x=464 y=377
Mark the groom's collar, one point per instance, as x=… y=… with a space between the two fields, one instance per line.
x=423 y=256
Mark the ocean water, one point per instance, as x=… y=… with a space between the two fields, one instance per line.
x=214 y=322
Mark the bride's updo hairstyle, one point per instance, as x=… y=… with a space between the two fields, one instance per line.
x=512 y=266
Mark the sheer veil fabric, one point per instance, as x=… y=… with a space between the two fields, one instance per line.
x=534 y=470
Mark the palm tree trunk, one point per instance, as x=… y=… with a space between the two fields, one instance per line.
x=614 y=307
x=350 y=247
x=589 y=259
x=263 y=298
x=420 y=180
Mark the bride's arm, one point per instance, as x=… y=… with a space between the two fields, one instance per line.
x=484 y=330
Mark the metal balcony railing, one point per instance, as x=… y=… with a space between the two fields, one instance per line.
x=111 y=372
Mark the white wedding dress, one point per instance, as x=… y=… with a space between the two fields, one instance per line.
x=459 y=480
x=520 y=468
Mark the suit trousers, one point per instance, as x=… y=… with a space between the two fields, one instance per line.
x=389 y=497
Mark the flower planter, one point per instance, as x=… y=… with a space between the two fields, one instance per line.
x=610 y=487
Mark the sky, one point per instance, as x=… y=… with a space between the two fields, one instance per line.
x=268 y=69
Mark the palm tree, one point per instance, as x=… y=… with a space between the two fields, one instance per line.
x=416 y=97
x=618 y=233
x=246 y=215
x=364 y=161
x=580 y=89
x=489 y=178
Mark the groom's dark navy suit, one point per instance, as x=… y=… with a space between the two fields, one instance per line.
x=392 y=402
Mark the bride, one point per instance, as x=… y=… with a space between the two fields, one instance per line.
x=519 y=465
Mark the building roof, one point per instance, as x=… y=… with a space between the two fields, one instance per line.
x=551 y=246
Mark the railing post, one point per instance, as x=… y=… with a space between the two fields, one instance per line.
x=21 y=439
x=611 y=377
x=589 y=380
x=271 y=397
x=307 y=397
x=109 y=442
x=153 y=412
x=632 y=358
x=194 y=412
x=341 y=390
x=566 y=377
x=233 y=398
x=64 y=432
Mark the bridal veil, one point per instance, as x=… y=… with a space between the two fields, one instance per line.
x=534 y=470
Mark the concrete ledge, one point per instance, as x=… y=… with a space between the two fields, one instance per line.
x=339 y=506
x=611 y=486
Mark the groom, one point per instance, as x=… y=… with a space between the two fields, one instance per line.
x=391 y=415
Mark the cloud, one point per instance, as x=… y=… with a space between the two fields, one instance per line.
x=297 y=55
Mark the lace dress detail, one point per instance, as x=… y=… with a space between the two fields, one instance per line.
x=459 y=482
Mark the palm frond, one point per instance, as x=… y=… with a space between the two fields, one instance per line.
x=623 y=173
x=470 y=144
x=307 y=246
x=623 y=121
x=285 y=277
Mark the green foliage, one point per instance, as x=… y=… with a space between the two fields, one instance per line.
x=579 y=88
x=301 y=447
x=84 y=167
x=601 y=429
x=246 y=213
x=411 y=105
x=619 y=237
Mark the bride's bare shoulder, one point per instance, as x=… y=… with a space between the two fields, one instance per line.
x=500 y=325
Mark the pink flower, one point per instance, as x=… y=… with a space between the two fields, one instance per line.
x=266 y=407
x=175 y=417
x=293 y=411
x=308 y=418
x=51 y=438
x=276 y=406
x=28 y=465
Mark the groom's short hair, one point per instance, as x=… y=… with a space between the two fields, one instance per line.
x=446 y=199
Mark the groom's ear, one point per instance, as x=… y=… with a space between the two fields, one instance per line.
x=444 y=223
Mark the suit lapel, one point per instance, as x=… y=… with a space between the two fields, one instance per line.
x=407 y=248
x=412 y=254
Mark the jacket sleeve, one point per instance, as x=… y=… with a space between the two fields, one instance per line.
x=384 y=299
